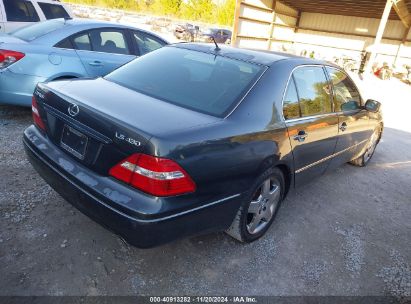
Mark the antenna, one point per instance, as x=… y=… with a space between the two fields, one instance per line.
x=217 y=48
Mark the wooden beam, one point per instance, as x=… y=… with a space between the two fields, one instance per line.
x=254 y=20
x=286 y=14
x=236 y=22
x=252 y=37
x=401 y=9
x=297 y=23
x=273 y=16
x=266 y=9
x=406 y=33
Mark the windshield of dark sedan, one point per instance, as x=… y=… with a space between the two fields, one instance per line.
x=199 y=81
x=32 y=32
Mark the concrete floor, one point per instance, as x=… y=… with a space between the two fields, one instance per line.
x=347 y=233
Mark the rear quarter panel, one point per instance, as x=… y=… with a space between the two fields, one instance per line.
x=47 y=62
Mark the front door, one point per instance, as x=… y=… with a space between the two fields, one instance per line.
x=312 y=125
x=354 y=125
x=103 y=50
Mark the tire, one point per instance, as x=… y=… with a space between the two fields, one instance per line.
x=259 y=208
x=366 y=156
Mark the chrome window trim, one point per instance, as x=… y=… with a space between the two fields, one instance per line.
x=310 y=117
x=288 y=82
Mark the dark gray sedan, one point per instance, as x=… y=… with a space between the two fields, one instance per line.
x=192 y=139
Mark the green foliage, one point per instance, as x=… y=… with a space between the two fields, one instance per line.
x=217 y=12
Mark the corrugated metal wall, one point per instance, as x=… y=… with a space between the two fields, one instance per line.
x=261 y=27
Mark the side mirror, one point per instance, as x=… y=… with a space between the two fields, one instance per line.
x=372 y=105
x=350 y=106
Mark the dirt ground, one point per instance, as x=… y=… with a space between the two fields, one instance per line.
x=347 y=233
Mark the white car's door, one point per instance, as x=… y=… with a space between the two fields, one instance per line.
x=18 y=13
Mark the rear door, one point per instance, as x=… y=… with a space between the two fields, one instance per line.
x=19 y=13
x=354 y=124
x=312 y=125
x=103 y=50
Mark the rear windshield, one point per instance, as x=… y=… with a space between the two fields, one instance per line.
x=37 y=30
x=195 y=80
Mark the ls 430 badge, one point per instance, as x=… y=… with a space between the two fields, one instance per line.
x=128 y=139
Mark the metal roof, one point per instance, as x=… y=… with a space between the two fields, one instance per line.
x=358 y=8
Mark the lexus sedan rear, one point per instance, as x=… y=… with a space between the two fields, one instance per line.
x=192 y=139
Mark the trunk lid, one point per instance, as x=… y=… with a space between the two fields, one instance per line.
x=115 y=121
x=5 y=38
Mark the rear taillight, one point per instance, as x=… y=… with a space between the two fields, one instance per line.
x=153 y=175
x=36 y=115
x=7 y=58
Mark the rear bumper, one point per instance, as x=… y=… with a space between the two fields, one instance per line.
x=17 y=89
x=137 y=230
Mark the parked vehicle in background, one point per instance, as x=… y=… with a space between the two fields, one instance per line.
x=15 y=14
x=402 y=73
x=61 y=49
x=220 y=35
x=192 y=139
x=384 y=72
x=186 y=32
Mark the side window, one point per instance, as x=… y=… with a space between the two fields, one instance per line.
x=313 y=90
x=147 y=43
x=346 y=95
x=20 y=11
x=109 y=41
x=64 y=44
x=53 y=11
x=291 y=107
x=82 y=42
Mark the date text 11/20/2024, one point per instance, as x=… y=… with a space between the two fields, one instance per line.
x=203 y=299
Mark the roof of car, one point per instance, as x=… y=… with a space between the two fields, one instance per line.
x=77 y=21
x=259 y=57
x=77 y=24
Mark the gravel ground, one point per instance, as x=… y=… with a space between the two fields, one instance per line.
x=347 y=233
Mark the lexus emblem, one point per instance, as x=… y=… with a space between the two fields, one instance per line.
x=73 y=109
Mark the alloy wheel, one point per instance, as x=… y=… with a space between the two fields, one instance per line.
x=263 y=205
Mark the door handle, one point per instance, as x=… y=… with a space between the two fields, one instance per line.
x=301 y=136
x=343 y=126
x=95 y=63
